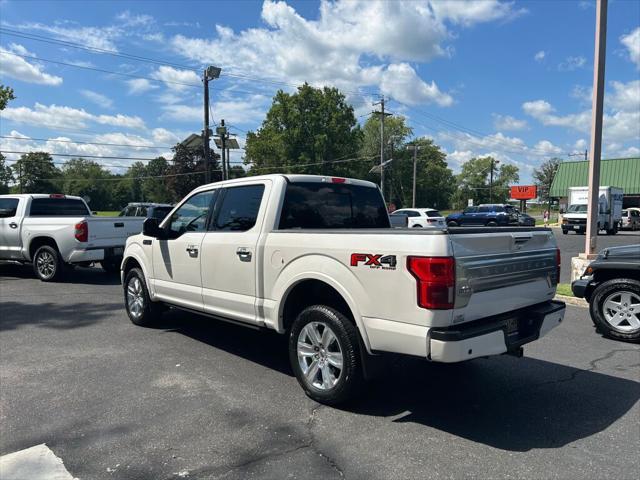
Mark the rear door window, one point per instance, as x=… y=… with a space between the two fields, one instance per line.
x=433 y=213
x=8 y=207
x=316 y=205
x=239 y=209
x=58 y=207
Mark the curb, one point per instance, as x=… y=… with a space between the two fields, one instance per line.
x=578 y=302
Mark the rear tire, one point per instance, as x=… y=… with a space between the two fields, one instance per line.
x=452 y=224
x=324 y=352
x=47 y=264
x=492 y=224
x=140 y=309
x=615 y=309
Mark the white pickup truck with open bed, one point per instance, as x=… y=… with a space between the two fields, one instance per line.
x=315 y=258
x=54 y=231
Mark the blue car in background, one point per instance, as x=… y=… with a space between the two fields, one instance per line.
x=488 y=215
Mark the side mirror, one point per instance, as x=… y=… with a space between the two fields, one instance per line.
x=150 y=228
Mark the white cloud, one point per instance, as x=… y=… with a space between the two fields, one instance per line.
x=62 y=116
x=456 y=158
x=581 y=144
x=507 y=122
x=97 y=98
x=403 y=83
x=543 y=111
x=625 y=96
x=351 y=45
x=632 y=43
x=132 y=20
x=538 y=57
x=164 y=136
x=140 y=85
x=19 y=68
x=235 y=110
x=176 y=79
x=547 y=148
x=181 y=113
x=572 y=63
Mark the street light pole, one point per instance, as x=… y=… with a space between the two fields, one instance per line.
x=493 y=162
x=415 y=149
x=596 y=127
x=210 y=73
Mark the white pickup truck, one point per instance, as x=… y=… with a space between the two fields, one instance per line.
x=315 y=258
x=54 y=231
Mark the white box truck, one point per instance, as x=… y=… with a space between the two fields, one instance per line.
x=609 y=210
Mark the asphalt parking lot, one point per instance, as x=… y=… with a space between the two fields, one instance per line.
x=196 y=398
x=572 y=244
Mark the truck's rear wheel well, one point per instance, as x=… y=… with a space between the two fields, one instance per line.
x=312 y=292
x=129 y=264
x=37 y=242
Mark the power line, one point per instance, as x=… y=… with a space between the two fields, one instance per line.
x=51 y=40
x=84 y=67
x=81 y=155
x=159 y=147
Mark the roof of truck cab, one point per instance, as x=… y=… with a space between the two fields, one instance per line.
x=37 y=195
x=291 y=178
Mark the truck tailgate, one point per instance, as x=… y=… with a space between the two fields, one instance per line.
x=499 y=270
x=112 y=231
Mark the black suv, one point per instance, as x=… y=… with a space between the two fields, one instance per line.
x=490 y=215
x=611 y=285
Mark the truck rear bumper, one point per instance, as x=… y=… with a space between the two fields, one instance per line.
x=494 y=335
x=80 y=256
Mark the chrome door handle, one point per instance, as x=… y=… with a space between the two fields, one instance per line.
x=192 y=250
x=13 y=225
x=244 y=254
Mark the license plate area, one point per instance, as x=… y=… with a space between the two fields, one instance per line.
x=118 y=251
x=512 y=325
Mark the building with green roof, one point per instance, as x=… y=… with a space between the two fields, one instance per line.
x=616 y=172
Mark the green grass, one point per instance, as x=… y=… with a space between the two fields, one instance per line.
x=564 y=289
x=108 y=214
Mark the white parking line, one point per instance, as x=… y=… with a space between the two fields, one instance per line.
x=35 y=463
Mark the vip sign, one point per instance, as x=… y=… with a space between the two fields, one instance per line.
x=524 y=192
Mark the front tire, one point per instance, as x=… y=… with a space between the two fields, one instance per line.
x=324 y=352
x=452 y=224
x=492 y=224
x=140 y=309
x=615 y=309
x=47 y=264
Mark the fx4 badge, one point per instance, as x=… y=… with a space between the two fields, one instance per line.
x=378 y=261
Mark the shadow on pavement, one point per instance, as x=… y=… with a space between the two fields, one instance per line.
x=264 y=347
x=52 y=315
x=74 y=276
x=506 y=403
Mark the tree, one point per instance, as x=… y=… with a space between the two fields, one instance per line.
x=6 y=95
x=86 y=178
x=474 y=182
x=395 y=132
x=435 y=182
x=156 y=189
x=187 y=171
x=311 y=126
x=544 y=174
x=6 y=178
x=35 y=173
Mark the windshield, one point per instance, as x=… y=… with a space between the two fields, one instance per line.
x=577 y=209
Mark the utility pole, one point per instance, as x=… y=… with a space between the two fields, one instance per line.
x=596 y=127
x=493 y=162
x=222 y=131
x=20 y=175
x=415 y=149
x=382 y=115
x=210 y=73
x=205 y=132
x=586 y=155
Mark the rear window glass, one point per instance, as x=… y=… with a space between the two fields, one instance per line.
x=8 y=207
x=433 y=213
x=312 y=205
x=58 y=207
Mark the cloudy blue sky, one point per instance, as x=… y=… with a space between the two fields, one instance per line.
x=510 y=79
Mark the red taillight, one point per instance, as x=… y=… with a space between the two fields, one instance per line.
x=338 y=180
x=558 y=265
x=435 y=279
x=57 y=195
x=82 y=231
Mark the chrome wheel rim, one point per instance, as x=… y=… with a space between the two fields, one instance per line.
x=621 y=310
x=135 y=297
x=46 y=264
x=319 y=355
